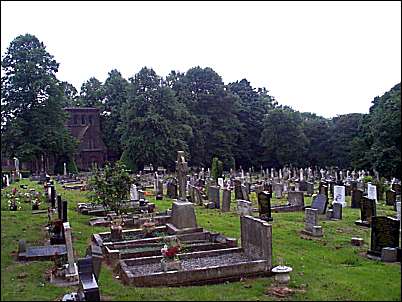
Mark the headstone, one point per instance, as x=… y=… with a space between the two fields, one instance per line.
x=367 y=210
x=264 y=205
x=397 y=188
x=278 y=190
x=357 y=196
x=171 y=190
x=71 y=268
x=296 y=198
x=372 y=192
x=220 y=182
x=226 y=199
x=64 y=207
x=384 y=233
x=59 y=207
x=390 y=197
x=320 y=203
x=214 y=196
x=159 y=189
x=183 y=215
x=244 y=207
x=337 y=211
x=258 y=188
x=389 y=254
x=310 y=188
x=237 y=189
x=398 y=210
x=256 y=239
x=53 y=196
x=64 y=169
x=134 y=196
x=311 y=226
x=88 y=283
x=244 y=192
x=339 y=195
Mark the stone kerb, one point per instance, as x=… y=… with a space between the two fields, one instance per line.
x=183 y=215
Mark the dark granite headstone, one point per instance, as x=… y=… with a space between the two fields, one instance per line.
x=384 y=233
x=264 y=205
x=59 y=207
x=171 y=190
x=64 y=207
x=310 y=188
x=214 y=196
x=302 y=185
x=367 y=210
x=320 y=203
x=53 y=196
x=357 y=196
x=296 y=198
x=88 y=285
x=323 y=190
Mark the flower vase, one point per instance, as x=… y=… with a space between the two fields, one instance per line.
x=170 y=265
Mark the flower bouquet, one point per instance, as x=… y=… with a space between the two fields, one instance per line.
x=170 y=260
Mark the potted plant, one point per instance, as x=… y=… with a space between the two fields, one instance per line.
x=170 y=250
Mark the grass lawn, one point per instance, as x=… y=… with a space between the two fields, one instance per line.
x=328 y=268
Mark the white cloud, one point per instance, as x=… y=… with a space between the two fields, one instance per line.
x=324 y=57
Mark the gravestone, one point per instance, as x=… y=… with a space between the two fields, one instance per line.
x=88 y=284
x=237 y=189
x=348 y=190
x=171 y=189
x=384 y=233
x=372 y=192
x=302 y=185
x=398 y=210
x=337 y=211
x=278 y=190
x=71 y=271
x=64 y=207
x=244 y=192
x=220 y=182
x=320 y=203
x=264 y=205
x=258 y=188
x=296 y=198
x=141 y=194
x=311 y=226
x=323 y=189
x=244 y=207
x=339 y=195
x=226 y=199
x=198 y=197
x=183 y=215
x=357 y=196
x=59 y=207
x=134 y=196
x=214 y=196
x=191 y=193
x=367 y=210
x=390 y=197
x=159 y=189
x=310 y=188
x=256 y=239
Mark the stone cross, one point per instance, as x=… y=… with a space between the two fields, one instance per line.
x=71 y=268
x=182 y=169
x=301 y=176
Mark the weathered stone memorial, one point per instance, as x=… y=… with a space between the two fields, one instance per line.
x=244 y=207
x=226 y=199
x=356 y=197
x=295 y=203
x=390 y=197
x=311 y=226
x=339 y=195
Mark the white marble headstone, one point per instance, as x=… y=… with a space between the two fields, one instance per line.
x=220 y=182
x=134 y=192
x=339 y=195
x=372 y=191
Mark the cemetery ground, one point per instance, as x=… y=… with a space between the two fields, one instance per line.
x=328 y=268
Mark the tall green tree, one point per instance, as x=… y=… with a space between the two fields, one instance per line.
x=32 y=100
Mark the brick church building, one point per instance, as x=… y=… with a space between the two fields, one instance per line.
x=84 y=125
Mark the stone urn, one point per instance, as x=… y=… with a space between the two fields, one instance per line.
x=282 y=276
x=170 y=264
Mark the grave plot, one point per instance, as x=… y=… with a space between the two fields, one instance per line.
x=132 y=221
x=45 y=253
x=253 y=258
x=192 y=242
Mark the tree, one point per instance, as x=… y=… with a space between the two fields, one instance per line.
x=216 y=169
x=152 y=129
x=92 y=94
x=111 y=186
x=283 y=139
x=30 y=95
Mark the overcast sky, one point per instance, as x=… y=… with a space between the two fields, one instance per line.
x=329 y=58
